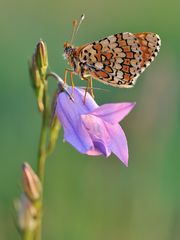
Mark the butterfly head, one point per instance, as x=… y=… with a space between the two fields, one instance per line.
x=69 y=52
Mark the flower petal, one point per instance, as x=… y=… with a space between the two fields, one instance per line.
x=98 y=133
x=68 y=113
x=78 y=95
x=119 y=144
x=114 y=112
x=94 y=152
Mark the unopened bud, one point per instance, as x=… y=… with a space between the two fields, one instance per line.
x=40 y=95
x=37 y=83
x=41 y=57
x=54 y=133
x=26 y=214
x=31 y=183
x=34 y=74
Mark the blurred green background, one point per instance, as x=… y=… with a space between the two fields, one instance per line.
x=94 y=198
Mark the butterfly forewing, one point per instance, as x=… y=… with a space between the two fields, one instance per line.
x=119 y=59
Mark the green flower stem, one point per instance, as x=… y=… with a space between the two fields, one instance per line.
x=42 y=145
x=28 y=235
x=42 y=155
x=38 y=73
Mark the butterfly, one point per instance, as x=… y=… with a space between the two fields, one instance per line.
x=116 y=60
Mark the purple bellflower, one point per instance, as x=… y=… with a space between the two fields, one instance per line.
x=93 y=129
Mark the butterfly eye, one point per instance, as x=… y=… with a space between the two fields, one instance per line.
x=68 y=50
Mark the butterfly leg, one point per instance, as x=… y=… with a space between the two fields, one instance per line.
x=86 y=89
x=91 y=86
x=71 y=72
x=65 y=75
x=71 y=79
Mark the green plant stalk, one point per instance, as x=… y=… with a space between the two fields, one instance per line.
x=42 y=145
x=42 y=155
x=28 y=235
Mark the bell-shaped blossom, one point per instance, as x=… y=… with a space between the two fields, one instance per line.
x=93 y=129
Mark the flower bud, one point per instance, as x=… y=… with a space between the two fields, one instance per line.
x=41 y=57
x=37 y=83
x=26 y=214
x=54 y=124
x=40 y=95
x=34 y=74
x=31 y=183
x=54 y=133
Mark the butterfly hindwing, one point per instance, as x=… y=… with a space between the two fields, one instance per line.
x=150 y=45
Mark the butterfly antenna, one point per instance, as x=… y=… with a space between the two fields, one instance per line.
x=75 y=23
x=76 y=26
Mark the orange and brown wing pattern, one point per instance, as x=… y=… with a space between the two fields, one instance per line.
x=150 y=45
x=116 y=60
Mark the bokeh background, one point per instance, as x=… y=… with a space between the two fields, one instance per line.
x=93 y=197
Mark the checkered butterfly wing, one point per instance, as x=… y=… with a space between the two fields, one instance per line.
x=119 y=59
x=150 y=45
